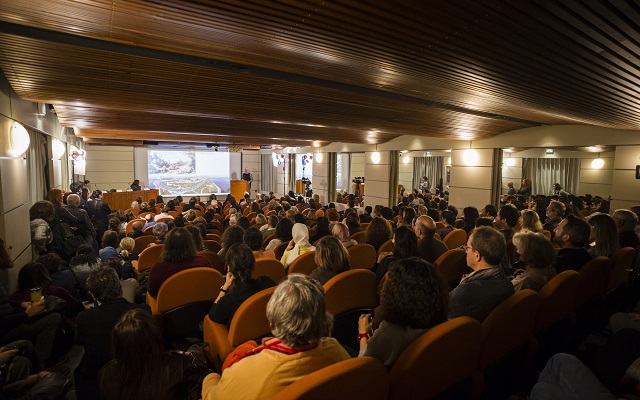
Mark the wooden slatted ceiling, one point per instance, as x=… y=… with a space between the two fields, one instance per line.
x=548 y=62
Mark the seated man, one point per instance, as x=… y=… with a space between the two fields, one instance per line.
x=300 y=326
x=137 y=230
x=240 y=263
x=429 y=248
x=272 y=222
x=487 y=286
x=93 y=329
x=506 y=220
x=626 y=221
x=572 y=234
x=555 y=211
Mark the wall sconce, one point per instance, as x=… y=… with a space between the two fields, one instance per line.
x=597 y=163
x=549 y=151
x=58 y=149
x=405 y=159
x=510 y=162
x=375 y=157
x=470 y=157
x=318 y=157
x=19 y=140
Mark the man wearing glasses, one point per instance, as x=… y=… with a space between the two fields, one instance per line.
x=487 y=285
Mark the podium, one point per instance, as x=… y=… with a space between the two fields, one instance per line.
x=238 y=188
x=123 y=200
x=299 y=186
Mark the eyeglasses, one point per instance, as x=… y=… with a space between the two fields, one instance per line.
x=465 y=247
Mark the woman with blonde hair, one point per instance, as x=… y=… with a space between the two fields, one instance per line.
x=126 y=247
x=331 y=258
x=261 y=222
x=422 y=210
x=531 y=221
x=341 y=232
x=537 y=253
x=311 y=215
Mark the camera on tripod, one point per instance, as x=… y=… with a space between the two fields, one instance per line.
x=307 y=187
x=358 y=180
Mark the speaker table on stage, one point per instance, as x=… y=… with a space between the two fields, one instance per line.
x=238 y=188
x=123 y=200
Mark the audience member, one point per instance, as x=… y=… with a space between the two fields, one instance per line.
x=537 y=253
x=240 y=264
x=626 y=221
x=84 y=221
x=59 y=277
x=378 y=232
x=40 y=214
x=84 y=262
x=530 y=221
x=414 y=299
x=282 y=234
x=232 y=235
x=506 y=220
x=341 y=232
x=298 y=246
x=487 y=286
x=448 y=219
x=253 y=239
x=555 y=211
x=429 y=248
x=470 y=215
x=323 y=228
x=604 y=235
x=405 y=244
x=110 y=242
x=331 y=258
x=572 y=234
x=301 y=326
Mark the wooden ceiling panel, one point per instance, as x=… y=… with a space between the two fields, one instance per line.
x=457 y=69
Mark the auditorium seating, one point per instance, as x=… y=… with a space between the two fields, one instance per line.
x=148 y=257
x=215 y=260
x=387 y=247
x=622 y=266
x=356 y=378
x=358 y=237
x=129 y=228
x=594 y=278
x=452 y=265
x=248 y=323
x=362 y=256
x=269 y=267
x=214 y=237
x=304 y=264
x=280 y=249
x=213 y=245
x=183 y=300
x=455 y=238
x=142 y=243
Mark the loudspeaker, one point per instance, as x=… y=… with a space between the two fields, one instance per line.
x=150 y=142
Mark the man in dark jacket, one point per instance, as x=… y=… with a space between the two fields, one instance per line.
x=99 y=210
x=572 y=234
x=429 y=248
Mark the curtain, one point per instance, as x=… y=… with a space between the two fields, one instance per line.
x=268 y=175
x=332 y=170
x=431 y=167
x=394 y=170
x=544 y=172
x=37 y=166
x=291 y=169
x=496 y=177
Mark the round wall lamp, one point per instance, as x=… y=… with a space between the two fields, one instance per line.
x=375 y=157
x=510 y=162
x=470 y=157
x=318 y=157
x=405 y=159
x=19 y=140
x=597 y=163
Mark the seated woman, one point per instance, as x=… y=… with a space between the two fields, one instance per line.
x=331 y=258
x=16 y=320
x=160 y=231
x=414 y=299
x=298 y=246
x=84 y=262
x=322 y=229
x=110 y=242
x=140 y=366
x=405 y=244
x=537 y=253
x=378 y=232
x=300 y=326
x=341 y=232
x=240 y=264
x=59 y=277
x=604 y=235
x=531 y=221
x=178 y=254
x=282 y=234
x=231 y=235
x=253 y=239
x=196 y=234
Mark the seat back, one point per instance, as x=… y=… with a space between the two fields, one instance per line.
x=455 y=238
x=351 y=289
x=387 y=247
x=129 y=228
x=142 y=242
x=215 y=260
x=358 y=237
x=557 y=299
x=250 y=320
x=213 y=245
x=304 y=264
x=622 y=265
x=148 y=230
x=594 y=277
x=280 y=249
x=266 y=240
x=439 y=359
x=214 y=236
x=361 y=377
x=269 y=267
x=362 y=256
x=452 y=265
x=149 y=256
x=508 y=327
x=189 y=286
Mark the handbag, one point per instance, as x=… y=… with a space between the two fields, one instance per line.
x=195 y=367
x=70 y=242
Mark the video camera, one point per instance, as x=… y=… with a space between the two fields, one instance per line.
x=358 y=180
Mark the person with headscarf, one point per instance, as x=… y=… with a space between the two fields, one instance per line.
x=298 y=246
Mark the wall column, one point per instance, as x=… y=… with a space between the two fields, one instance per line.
x=376 y=185
x=625 y=190
x=320 y=176
x=471 y=185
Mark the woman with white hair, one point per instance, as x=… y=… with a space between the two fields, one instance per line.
x=298 y=246
x=300 y=325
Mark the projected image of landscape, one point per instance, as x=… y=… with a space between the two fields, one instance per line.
x=189 y=172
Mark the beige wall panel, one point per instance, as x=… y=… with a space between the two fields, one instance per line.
x=14 y=228
x=485 y=157
x=463 y=197
x=113 y=165
x=14 y=189
x=600 y=176
x=595 y=189
x=627 y=157
x=625 y=185
x=471 y=177
x=376 y=189
x=377 y=173
x=373 y=201
x=618 y=204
